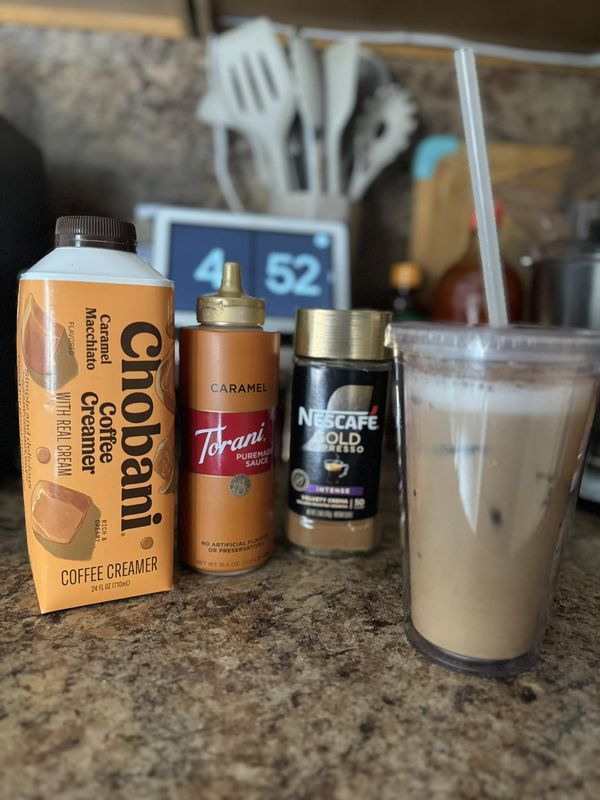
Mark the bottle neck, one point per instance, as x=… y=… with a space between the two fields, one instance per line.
x=472 y=254
x=67 y=240
x=215 y=326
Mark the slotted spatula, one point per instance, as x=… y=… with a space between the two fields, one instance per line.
x=257 y=88
x=211 y=111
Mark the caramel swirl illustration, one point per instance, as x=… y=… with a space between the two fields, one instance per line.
x=45 y=347
x=165 y=380
x=164 y=462
x=63 y=520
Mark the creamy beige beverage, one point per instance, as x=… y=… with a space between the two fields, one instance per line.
x=493 y=426
x=489 y=467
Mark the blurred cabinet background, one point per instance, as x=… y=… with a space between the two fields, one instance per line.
x=545 y=24
x=169 y=18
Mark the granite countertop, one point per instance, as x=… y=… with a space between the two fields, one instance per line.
x=295 y=681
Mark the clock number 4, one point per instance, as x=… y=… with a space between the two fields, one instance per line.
x=210 y=269
x=286 y=273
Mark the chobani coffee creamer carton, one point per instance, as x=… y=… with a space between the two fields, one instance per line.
x=95 y=361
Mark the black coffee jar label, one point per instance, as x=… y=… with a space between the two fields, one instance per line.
x=336 y=437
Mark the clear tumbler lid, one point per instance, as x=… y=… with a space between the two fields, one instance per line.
x=517 y=344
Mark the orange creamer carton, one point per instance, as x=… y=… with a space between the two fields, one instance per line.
x=95 y=361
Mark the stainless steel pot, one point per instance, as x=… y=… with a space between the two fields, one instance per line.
x=566 y=285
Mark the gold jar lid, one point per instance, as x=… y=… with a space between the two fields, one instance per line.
x=357 y=334
x=230 y=306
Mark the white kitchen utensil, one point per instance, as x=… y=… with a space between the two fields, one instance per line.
x=340 y=65
x=221 y=165
x=307 y=74
x=373 y=73
x=256 y=83
x=383 y=132
x=211 y=111
x=373 y=70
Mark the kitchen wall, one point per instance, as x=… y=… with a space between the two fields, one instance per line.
x=114 y=115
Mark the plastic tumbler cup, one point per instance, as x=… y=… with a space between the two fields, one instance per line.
x=493 y=426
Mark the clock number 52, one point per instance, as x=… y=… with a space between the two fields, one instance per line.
x=286 y=273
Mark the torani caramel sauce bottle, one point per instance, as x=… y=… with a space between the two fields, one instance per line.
x=95 y=344
x=229 y=377
x=339 y=392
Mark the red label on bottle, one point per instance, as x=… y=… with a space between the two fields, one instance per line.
x=228 y=443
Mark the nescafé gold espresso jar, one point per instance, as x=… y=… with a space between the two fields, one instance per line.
x=229 y=377
x=339 y=392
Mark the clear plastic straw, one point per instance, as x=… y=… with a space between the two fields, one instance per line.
x=470 y=103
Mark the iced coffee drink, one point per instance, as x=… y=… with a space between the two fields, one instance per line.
x=494 y=426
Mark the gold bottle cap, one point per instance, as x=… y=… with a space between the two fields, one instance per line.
x=230 y=306
x=405 y=275
x=356 y=334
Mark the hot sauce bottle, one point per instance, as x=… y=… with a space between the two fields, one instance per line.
x=460 y=294
x=229 y=376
